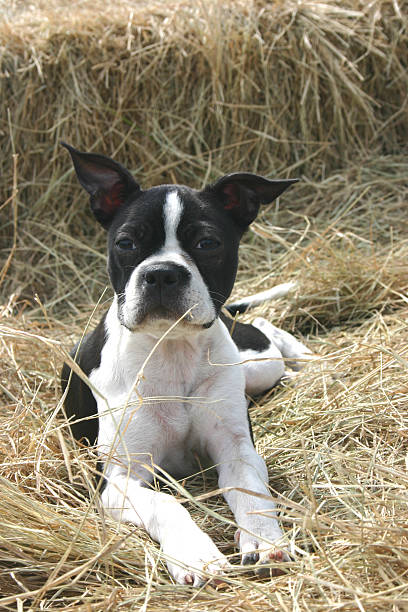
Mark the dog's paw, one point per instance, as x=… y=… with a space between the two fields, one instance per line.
x=194 y=559
x=262 y=555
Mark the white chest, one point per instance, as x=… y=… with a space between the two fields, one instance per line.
x=152 y=397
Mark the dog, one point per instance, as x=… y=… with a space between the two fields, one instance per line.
x=168 y=371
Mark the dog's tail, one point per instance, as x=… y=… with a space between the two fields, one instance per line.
x=258 y=298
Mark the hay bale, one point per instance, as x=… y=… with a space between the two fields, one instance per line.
x=186 y=91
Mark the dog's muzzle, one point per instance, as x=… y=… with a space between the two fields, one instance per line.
x=162 y=286
x=162 y=291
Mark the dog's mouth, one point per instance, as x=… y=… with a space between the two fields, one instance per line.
x=159 y=318
x=162 y=313
x=168 y=315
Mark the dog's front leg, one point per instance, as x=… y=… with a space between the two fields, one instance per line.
x=240 y=467
x=191 y=555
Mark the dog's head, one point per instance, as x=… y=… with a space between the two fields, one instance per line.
x=171 y=249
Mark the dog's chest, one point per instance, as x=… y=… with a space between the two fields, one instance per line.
x=146 y=391
x=168 y=370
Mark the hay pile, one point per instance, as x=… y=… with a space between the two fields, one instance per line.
x=184 y=92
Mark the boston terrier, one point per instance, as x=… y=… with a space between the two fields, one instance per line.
x=168 y=372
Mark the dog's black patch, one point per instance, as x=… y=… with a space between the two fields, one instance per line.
x=246 y=336
x=80 y=404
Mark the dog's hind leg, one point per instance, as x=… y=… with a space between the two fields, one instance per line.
x=265 y=352
x=263 y=370
x=295 y=354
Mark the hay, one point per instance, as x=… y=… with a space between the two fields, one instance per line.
x=184 y=92
x=335 y=445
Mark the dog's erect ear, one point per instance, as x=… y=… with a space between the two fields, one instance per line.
x=107 y=182
x=241 y=194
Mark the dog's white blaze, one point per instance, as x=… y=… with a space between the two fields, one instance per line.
x=172 y=211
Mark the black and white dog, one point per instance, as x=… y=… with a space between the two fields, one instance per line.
x=168 y=381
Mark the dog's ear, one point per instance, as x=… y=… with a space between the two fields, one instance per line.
x=107 y=182
x=241 y=194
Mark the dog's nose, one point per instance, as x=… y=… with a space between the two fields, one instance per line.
x=162 y=277
x=165 y=276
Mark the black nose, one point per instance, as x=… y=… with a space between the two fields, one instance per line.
x=165 y=276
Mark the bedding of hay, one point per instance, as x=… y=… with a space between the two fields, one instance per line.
x=185 y=91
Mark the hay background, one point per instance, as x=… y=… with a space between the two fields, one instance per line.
x=184 y=92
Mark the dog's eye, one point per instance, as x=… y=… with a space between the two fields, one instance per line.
x=207 y=244
x=125 y=244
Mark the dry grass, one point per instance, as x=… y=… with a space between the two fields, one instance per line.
x=186 y=91
x=336 y=447
x=183 y=92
